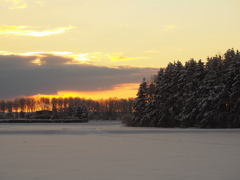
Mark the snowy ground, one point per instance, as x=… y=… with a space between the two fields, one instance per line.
x=109 y=151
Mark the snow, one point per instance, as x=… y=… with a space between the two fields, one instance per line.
x=106 y=150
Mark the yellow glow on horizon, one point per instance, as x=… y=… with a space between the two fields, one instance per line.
x=26 y=31
x=70 y=57
x=127 y=90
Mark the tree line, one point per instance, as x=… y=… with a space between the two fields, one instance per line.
x=197 y=94
x=107 y=109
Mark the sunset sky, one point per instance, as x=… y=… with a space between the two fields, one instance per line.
x=103 y=48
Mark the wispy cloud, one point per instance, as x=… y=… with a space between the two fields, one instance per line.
x=169 y=27
x=17 y=4
x=124 y=58
x=28 y=31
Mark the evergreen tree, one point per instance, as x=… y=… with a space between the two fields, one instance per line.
x=234 y=101
x=155 y=104
x=139 y=107
x=194 y=95
x=209 y=93
x=189 y=94
x=165 y=89
x=85 y=113
x=70 y=111
x=151 y=91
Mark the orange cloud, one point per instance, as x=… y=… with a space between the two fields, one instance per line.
x=120 y=91
x=26 y=31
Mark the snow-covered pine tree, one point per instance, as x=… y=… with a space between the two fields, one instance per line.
x=177 y=101
x=193 y=75
x=70 y=111
x=151 y=91
x=146 y=120
x=154 y=105
x=223 y=89
x=199 y=95
x=234 y=102
x=166 y=97
x=189 y=86
x=169 y=95
x=210 y=93
x=139 y=107
x=85 y=113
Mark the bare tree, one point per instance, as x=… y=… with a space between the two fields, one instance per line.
x=9 y=105
x=3 y=106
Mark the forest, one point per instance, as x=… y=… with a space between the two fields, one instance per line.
x=106 y=109
x=196 y=94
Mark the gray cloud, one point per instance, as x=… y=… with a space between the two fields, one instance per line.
x=20 y=77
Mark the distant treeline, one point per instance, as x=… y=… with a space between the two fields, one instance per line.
x=197 y=94
x=107 y=109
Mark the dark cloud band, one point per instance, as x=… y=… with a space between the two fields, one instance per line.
x=20 y=77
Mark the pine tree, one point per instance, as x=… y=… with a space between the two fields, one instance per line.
x=177 y=97
x=194 y=95
x=166 y=97
x=234 y=101
x=189 y=94
x=155 y=104
x=150 y=96
x=70 y=111
x=151 y=91
x=85 y=113
x=140 y=104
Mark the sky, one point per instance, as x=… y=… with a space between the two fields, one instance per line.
x=104 y=48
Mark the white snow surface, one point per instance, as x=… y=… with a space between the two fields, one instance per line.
x=107 y=150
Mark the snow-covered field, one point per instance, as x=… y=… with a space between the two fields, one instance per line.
x=109 y=151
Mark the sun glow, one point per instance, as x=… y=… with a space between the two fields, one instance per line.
x=79 y=59
x=37 y=61
x=120 y=91
x=17 y=4
x=19 y=7
x=70 y=58
x=27 y=31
